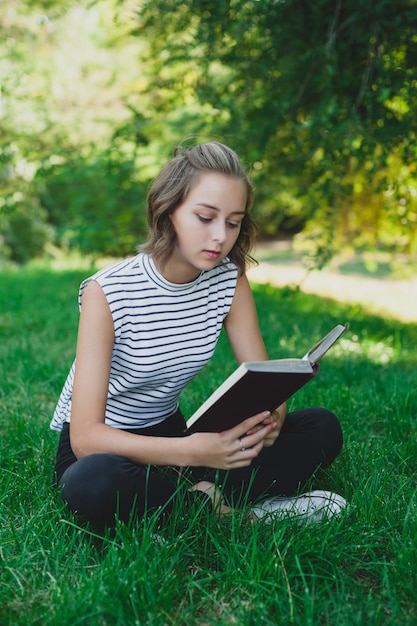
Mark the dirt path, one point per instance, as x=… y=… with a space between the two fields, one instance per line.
x=394 y=298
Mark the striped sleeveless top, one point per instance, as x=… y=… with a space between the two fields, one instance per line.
x=164 y=335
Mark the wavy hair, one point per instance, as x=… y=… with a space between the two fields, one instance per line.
x=174 y=183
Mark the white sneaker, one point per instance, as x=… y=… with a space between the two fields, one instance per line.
x=314 y=506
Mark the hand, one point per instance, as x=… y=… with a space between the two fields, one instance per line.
x=234 y=448
x=278 y=417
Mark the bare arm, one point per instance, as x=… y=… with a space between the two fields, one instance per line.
x=242 y=326
x=243 y=332
x=90 y=434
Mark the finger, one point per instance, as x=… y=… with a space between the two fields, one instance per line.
x=246 y=449
x=255 y=429
x=261 y=420
x=249 y=440
x=243 y=458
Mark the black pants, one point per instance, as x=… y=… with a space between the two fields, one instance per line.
x=100 y=486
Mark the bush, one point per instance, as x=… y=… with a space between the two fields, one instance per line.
x=96 y=203
x=24 y=231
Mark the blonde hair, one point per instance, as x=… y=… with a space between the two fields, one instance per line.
x=174 y=183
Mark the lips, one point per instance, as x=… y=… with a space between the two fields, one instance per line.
x=212 y=254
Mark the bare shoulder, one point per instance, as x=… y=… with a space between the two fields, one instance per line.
x=95 y=310
x=93 y=297
x=92 y=291
x=243 y=287
x=243 y=301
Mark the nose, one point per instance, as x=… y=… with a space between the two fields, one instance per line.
x=218 y=232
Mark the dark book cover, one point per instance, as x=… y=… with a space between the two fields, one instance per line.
x=254 y=393
x=259 y=386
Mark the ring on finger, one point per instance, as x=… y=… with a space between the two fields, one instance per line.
x=242 y=447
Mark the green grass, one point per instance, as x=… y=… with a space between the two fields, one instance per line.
x=360 y=569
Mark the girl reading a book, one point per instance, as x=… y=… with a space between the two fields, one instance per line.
x=147 y=326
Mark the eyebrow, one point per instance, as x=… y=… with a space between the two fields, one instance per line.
x=210 y=206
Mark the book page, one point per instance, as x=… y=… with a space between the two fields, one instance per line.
x=319 y=349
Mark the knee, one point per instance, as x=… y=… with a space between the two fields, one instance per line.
x=320 y=430
x=92 y=486
x=331 y=434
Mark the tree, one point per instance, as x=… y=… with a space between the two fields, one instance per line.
x=319 y=94
x=68 y=170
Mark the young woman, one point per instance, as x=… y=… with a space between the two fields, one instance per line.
x=148 y=325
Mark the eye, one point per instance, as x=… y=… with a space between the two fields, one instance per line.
x=233 y=224
x=204 y=219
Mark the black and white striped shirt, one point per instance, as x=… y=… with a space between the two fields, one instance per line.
x=164 y=335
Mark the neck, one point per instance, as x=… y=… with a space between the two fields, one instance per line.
x=175 y=273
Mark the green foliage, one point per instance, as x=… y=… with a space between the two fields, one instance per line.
x=24 y=228
x=70 y=176
x=360 y=569
x=97 y=204
x=25 y=233
x=317 y=97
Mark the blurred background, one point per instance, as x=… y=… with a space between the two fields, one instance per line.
x=318 y=97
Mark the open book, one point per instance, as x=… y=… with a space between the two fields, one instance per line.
x=259 y=386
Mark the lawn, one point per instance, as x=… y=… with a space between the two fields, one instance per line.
x=359 y=569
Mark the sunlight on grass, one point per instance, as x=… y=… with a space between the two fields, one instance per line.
x=375 y=351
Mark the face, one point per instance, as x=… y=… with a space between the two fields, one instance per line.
x=207 y=225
